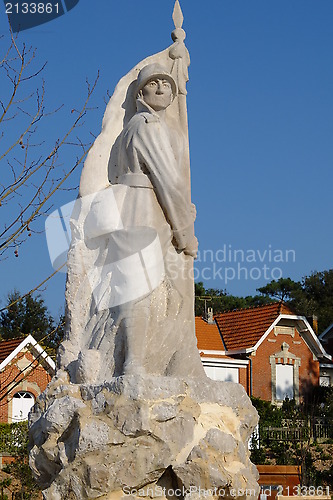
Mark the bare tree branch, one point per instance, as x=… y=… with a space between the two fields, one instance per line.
x=34 y=180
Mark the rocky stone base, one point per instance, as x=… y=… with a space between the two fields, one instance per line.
x=143 y=436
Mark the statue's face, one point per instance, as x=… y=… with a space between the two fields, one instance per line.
x=157 y=93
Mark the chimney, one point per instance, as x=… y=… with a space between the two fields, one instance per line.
x=313 y=320
x=210 y=316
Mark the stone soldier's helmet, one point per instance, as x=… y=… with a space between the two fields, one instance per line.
x=155 y=70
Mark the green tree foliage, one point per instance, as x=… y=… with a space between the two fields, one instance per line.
x=15 y=436
x=317 y=297
x=56 y=336
x=30 y=316
x=313 y=295
x=284 y=289
x=270 y=415
x=221 y=301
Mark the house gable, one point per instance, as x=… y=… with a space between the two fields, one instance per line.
x=11 y=348
x=25 y=371
x=285 y=344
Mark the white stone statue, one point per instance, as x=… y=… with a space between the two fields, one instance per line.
x=130 y=287
x=130 y=410
x=150 y=161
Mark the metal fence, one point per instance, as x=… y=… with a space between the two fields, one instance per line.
x=318 y=430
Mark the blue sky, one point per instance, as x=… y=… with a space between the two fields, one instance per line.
x=260 y=120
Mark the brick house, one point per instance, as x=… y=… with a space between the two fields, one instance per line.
x=277 y=352
x=25 y=371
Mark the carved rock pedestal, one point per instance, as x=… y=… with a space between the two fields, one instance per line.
x=143 y=436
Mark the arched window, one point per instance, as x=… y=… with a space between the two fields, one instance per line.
x=21 y=405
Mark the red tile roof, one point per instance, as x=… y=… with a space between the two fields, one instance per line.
x=208 y=336
x=7 y=347
x=243 y=328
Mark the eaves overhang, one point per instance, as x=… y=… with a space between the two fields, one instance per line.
x=207 y=351
x=225 y=362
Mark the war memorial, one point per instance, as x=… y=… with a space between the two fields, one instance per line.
x=130 y=411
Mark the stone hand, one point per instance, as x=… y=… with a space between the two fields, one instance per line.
x=192 y=248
